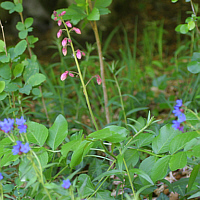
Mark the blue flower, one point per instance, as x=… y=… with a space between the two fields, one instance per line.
x=176 y=111
x=176 y=124
x=20 y=148
x=181 y=118
x=66 y=184
x=7 y=125
x=21 y=126
x=179 y=103
x=1 y=176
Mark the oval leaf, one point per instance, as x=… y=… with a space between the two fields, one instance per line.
x=2 y=86
x=36 y=79
x=20 y=48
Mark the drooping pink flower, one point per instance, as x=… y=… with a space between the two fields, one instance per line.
x=59 y=15
x=68 y=24
x=70 y=74
x=54 y=13
x=59 y=33
x=63 y=13
x=59 y=22
x=69 y=40
x=78 y=54
x=64 y=51
x=55 y=18
x=64 y=42
x=83 y=54
x=98 y=79
x=64 y=76
x=77 y=30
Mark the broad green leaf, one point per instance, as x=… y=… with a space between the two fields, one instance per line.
x=7 y=5
x=3 y=95
x=2 y=86
x=102 y=3
x=196 y=150
x=194 y=67
x=36 y=79
x=7 y=158
x=179 y=141
x=26 y=89
x=196 y=195
x=20 y=26
x=85 y=185
x=178 y=161
x=2 y=46
x=191 y=25
x=193 y=177
x=20 y=48
x=101 y=134
x=58 y=132
x=36 y=133
x=94 y=15
x=131 y=157
x=18 y=69
x=142 y=174
x=28 y=22
x=23 y=34
x=174 y=1
x=108 y=173
x=184 y=29
x=118 y=134
x=159 y=170
x=18 y=8
x=4 y=58
x=143 y=139
x=160 y=144
x=11 y=87
x=105 y=194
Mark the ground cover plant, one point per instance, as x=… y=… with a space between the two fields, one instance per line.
x=96 y=132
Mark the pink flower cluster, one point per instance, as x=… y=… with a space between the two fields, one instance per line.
x=64 y=75
x=66 y=41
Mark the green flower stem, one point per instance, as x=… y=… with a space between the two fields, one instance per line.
x=102 y=182
x=60 y=172
x=149 y=152
x=121 y=100
x=1 y=191
x=40 y=174
x=81 y=78
x=106 y=150
x=129 y=177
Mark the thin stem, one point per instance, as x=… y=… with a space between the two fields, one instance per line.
x=121 y=100
x=1 y=191
x=193 y=10
x=4 y=39
x=81 y=78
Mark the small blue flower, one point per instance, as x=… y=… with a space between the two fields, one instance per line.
x=1 y=176
x=20 y=148
x=66 y=184
x=179 y=103
x=176 y=124
x=20 y=121
x=176 y=111
x=7 y=125
x=181 y=118
x=22 y=128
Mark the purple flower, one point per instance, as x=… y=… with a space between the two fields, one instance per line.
x=22 y=128
x=20 y=148
x=7 y=125
x=176 y=111
x=1 y=176
x=176 y=124
x=179 y=103
x=20 y=121
x=181 y=118
x=66 y=184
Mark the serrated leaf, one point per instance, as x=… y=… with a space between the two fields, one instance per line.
x=159 y=170
x=178 y=161
x=58 y=132
x=36 y=79
x=94 y=15
x=160 y=144
x=2 y=86
x=37 y=133
x=20 y=48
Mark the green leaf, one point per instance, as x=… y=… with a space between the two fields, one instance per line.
x=20 y=48
x=143 y=139
x=18 y=8
x=105 y=194
x=142 y=174
x=23 y=34
x=184 y=29
x=194 y=67
x=20 y=26
x=37 y=133
x=36 y=79
x=58 y=132
x=102 y=3
x=159 y=170
x=118 y=134
x=94 y=15
x=4 y=58
x=85 y=185
x=18 y=69
x=160 y=144
x=179 y=141
x=101 y=134
x=196 y=195
x=11 y=87
x=178 y=161
x=7 y=158
x=26 y=89
x=174 y=1
x=191 y=25
x=2 y=86
x=131 y=157
x=28 y=22
x=2 y=46
x=7 y=5
x=193 y=176
x=120 y=162
x=3 y=95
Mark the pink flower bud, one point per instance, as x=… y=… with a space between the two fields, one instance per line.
x=64 y=76
x=83 y=54
x=54 y=13
x=59 y=33
x=68 y=24
x=98 y=79
x=64 y=42
x=59 y=15
x=59 y=22
x=77 y=30
x=70 y=74
x=78 y=54
x=63 y=13
x=69 y=40
x=55 y=18
x=64 y=51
